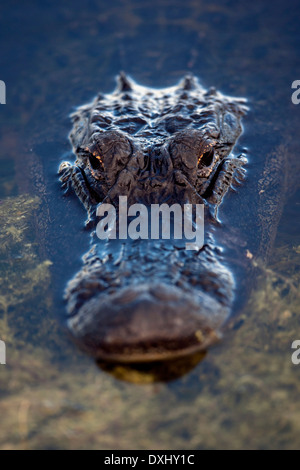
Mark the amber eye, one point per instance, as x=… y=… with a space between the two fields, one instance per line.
x=96 y=162
x=206 y=158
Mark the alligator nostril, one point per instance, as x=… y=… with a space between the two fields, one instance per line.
x=161 y=293
x=126 y=296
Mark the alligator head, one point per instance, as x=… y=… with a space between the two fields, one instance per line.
x=146 y=300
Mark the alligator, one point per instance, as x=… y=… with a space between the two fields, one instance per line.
x=152 y=300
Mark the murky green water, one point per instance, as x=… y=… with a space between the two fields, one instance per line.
x=244 y=394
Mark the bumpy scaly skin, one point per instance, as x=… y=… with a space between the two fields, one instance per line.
x=147 y=300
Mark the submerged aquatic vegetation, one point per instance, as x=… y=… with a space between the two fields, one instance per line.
x=24 y=290
x=22 y=274
x=244 y=394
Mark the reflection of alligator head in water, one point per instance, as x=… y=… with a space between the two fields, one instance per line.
x=147 y=300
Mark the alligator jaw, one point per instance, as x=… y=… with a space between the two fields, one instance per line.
x=146 y=323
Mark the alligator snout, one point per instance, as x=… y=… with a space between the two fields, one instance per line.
x=143 y=323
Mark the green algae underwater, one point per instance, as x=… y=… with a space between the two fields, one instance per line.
x=244 y=393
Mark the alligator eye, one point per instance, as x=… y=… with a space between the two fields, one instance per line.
x=96 y=162
x=206 y=158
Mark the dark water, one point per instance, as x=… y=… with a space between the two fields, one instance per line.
x=55 y=56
